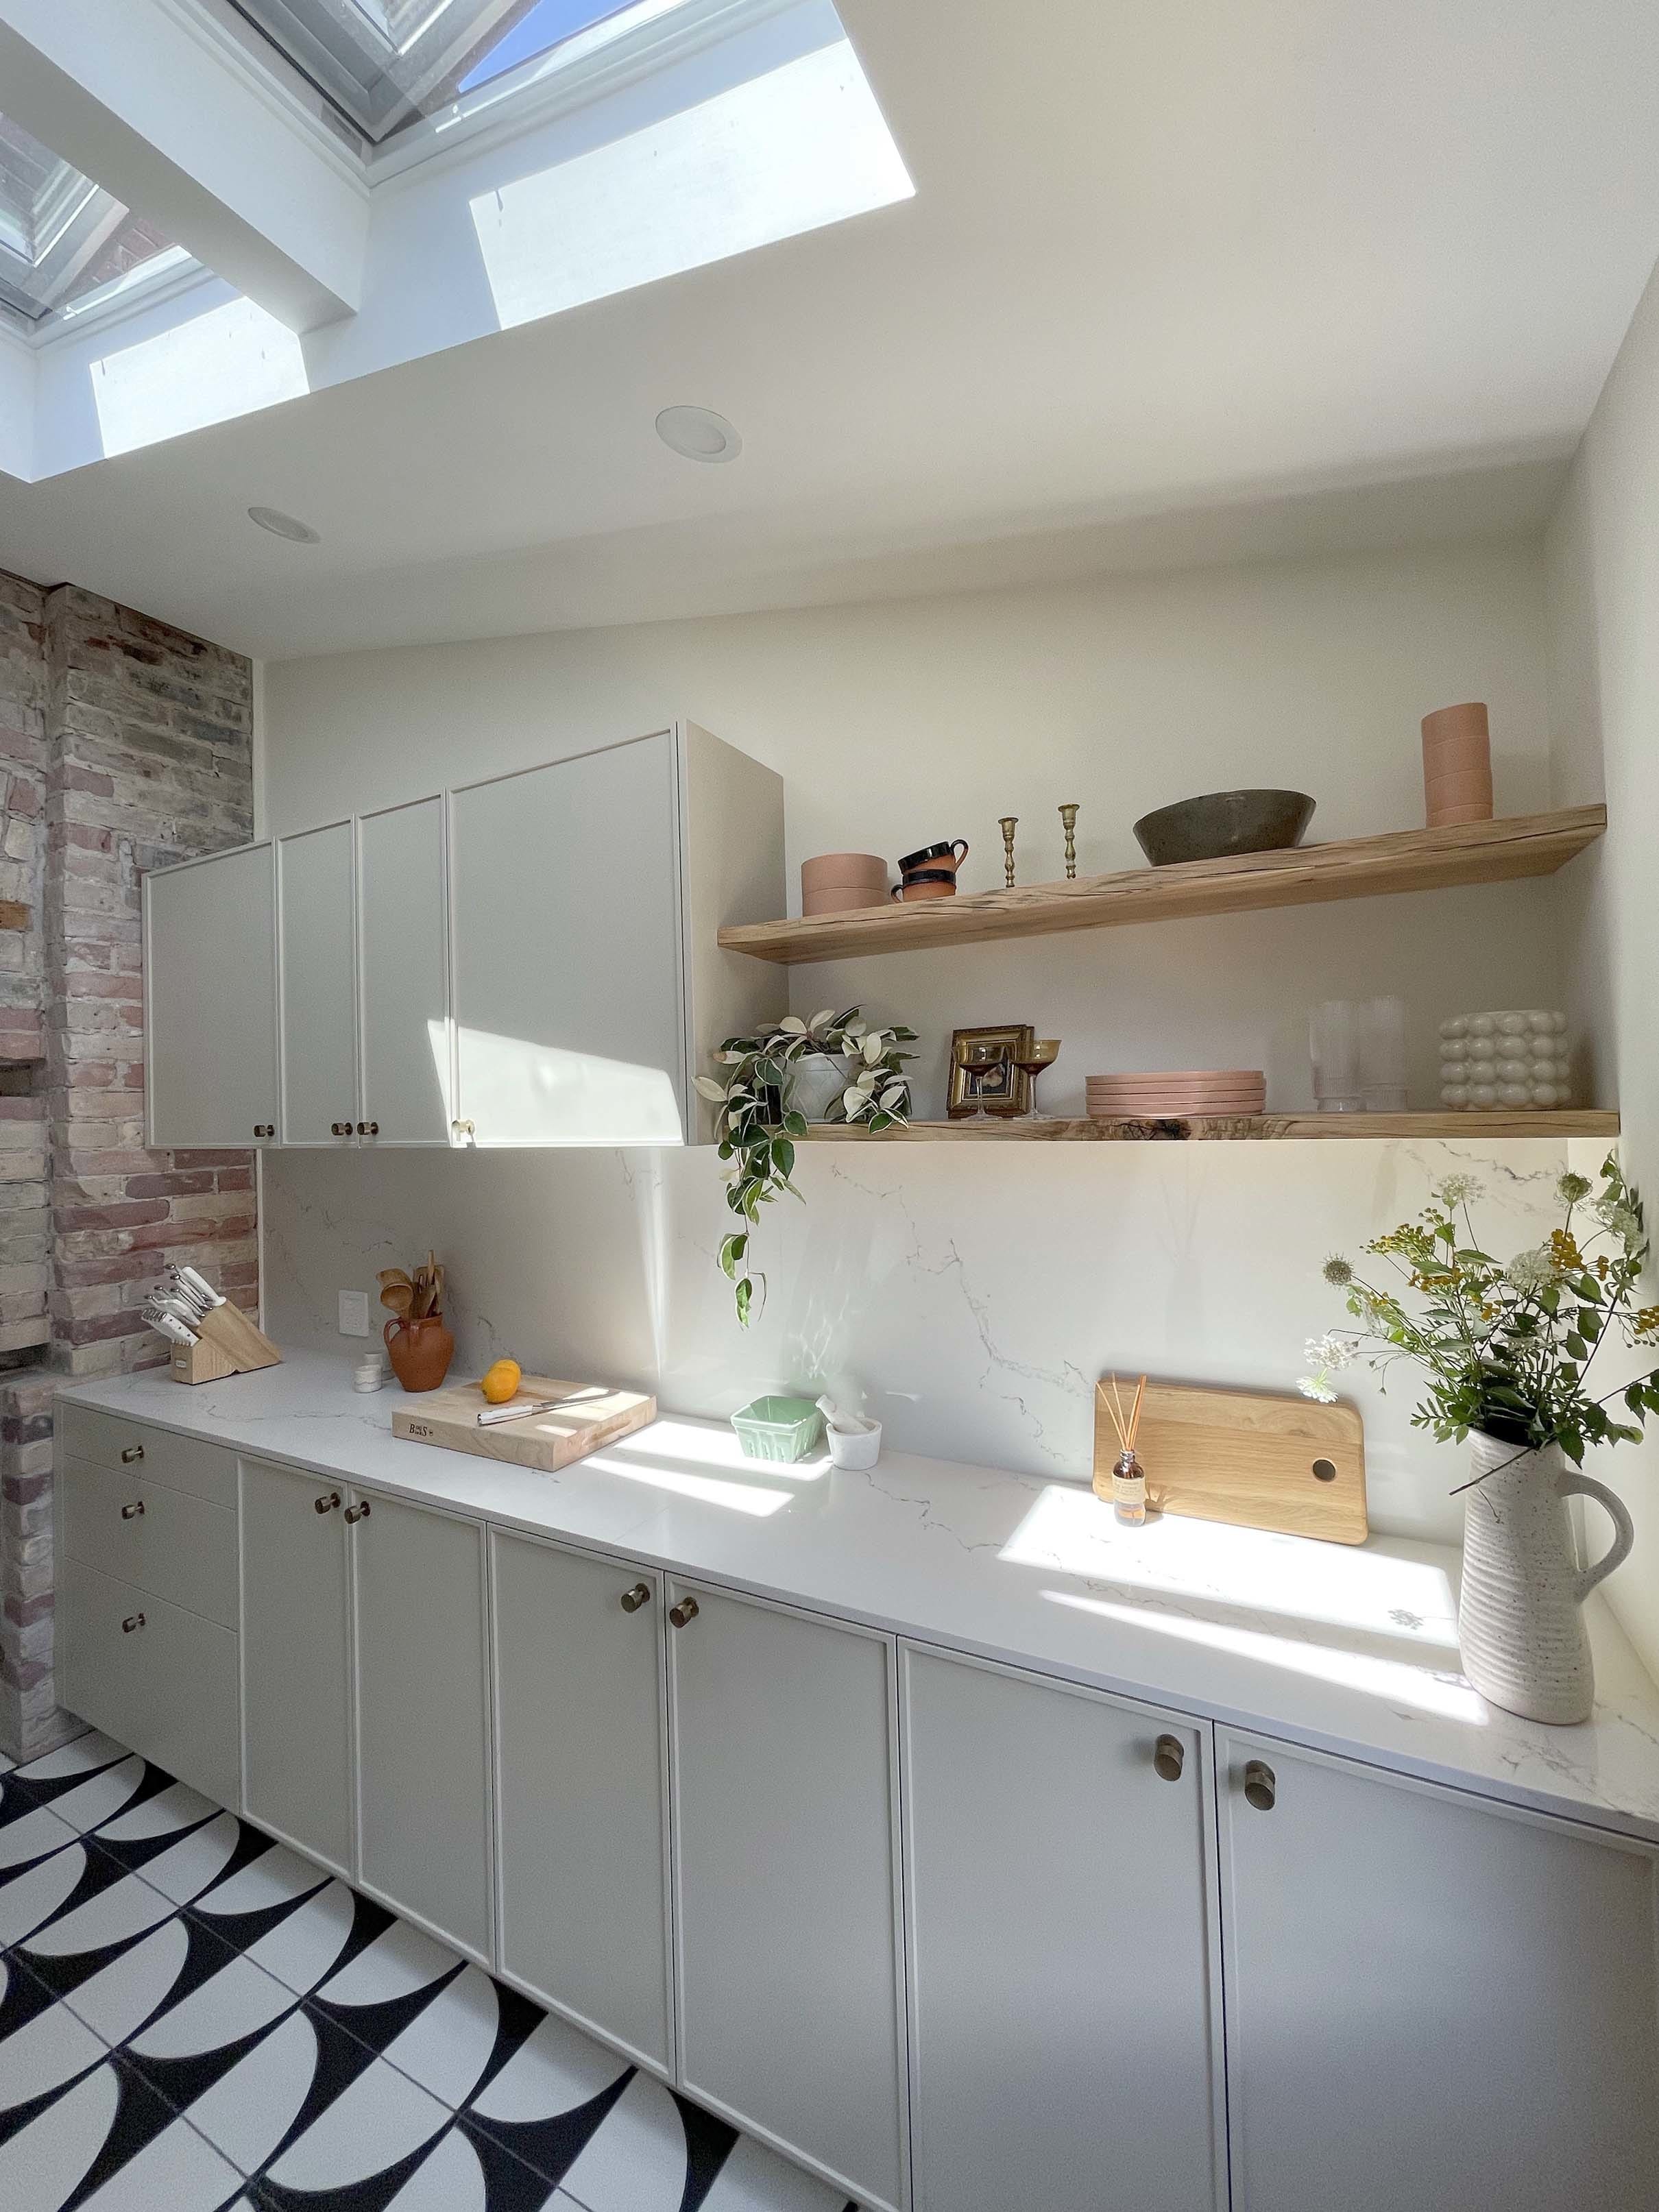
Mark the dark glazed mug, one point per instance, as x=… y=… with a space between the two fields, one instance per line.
x=951 y=856
x=931 y=873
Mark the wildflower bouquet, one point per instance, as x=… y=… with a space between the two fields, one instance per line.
x=1507 y=1346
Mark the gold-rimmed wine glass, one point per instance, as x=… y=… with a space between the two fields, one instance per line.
x=979 y=1058
x=1043 y=1053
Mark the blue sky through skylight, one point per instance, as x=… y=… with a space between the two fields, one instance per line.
x=547 y=25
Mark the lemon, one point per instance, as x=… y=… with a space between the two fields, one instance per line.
x=501 y=1382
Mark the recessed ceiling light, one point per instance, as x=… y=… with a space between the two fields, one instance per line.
x=699 y=434
x=284 y=526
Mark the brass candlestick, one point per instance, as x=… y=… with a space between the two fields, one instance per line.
x=1068 y=816
x=1007 y=823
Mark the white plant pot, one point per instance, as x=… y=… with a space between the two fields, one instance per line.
x=1518 y=1619
x=814 y=1085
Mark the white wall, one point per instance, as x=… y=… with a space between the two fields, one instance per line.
x=1603 y=595
x=978 y=1294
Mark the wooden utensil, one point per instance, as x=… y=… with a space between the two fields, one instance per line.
x=1248 y=1457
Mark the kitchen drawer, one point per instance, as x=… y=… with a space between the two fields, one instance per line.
x=168 y=1687
x=182 y=1462
x=128 y=1524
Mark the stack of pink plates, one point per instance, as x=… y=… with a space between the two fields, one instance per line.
x=1184 y=1092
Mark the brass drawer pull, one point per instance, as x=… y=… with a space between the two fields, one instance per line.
x=1168 y=1757
x=686 y=1611
x=326 y=1505
x=131 y=1455
x=265 y=1128
x=356 y=1513
x=368 y=1128
x=1260 y=1786
x=632 y=1600
x=134 y=1511
x=133 y=1620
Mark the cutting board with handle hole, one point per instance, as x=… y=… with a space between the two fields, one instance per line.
x=588 y=1416
x=1247 y=1456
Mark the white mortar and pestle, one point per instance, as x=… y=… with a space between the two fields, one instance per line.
x=855 y=1442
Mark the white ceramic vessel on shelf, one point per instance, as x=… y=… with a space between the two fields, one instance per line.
x=816 y=1084
x=1514 y=1061
x=1519 y=1623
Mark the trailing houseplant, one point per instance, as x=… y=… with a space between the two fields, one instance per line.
x=758 y=1121
x=1506 y=1348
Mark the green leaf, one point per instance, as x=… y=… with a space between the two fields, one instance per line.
x=746 y=1291
x=783 y=1157
x=794 y=1124
x=1577 y=1345
x=731 y=1250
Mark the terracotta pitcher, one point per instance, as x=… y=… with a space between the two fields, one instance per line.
x=421 y=1350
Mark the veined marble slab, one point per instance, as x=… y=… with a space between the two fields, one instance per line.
x=1350 y=1650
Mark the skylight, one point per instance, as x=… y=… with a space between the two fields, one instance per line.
x=61 y=235
x=383 y=64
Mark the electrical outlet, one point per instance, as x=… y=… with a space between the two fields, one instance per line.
x=354 y=1313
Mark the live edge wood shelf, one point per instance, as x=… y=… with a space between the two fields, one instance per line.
x=1227 y=1130
x=1310 y=875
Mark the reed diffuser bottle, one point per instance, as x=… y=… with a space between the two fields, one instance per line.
x=1128 y=1476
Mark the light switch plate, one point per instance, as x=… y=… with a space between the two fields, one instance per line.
x=354 y=1313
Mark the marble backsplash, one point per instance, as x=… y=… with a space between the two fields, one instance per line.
x=972 y=1296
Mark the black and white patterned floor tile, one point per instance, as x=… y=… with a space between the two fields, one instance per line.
x=194 y=2019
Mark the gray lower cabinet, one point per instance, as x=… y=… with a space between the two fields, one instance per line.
x=785 y=1827
x=582 y=1811
x=1063 y=1968
x=424 y=1810
x=1431 y=2002
x=296 y=1659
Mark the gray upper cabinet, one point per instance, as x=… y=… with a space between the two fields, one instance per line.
x=568 y=1012
x=402 y=927
x=424 y=1806
x=786 y=1913
x=210 y=1000
x=1064 y=1976
x=1431 y=2002
x=316 y=904
x=581 y=1789
x=529 y=960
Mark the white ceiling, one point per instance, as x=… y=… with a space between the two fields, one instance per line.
x=1183 y=279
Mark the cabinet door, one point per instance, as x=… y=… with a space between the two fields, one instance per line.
x=403 y=989
x=580 y=1764
x=785 y=1890
x=318 y=986
x=210 y=1000
x=1430 y=2002
x=567 y=951
x=1065 y=2014
x=296 y=1750
x=423 y=1798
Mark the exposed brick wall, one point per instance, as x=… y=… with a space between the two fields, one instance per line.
x=124 y=744
x=150 y=761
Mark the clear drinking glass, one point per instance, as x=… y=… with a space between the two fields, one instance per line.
x=1334 y=1043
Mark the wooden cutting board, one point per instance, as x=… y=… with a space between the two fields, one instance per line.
x=1259 y=1461
x=590 y=1417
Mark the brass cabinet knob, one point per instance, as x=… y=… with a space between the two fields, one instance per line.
x=133 y=1512
x=1168 y=1757
x=327 y=1504
x=340 y=1128
x=265 y=1128
x=686 y=1611
x=368 y=1128
x=133 y=1620
x=632 y=1600
x=462 y=1129
x=132 y=1454
x=1260 y=1786
x=354 y=1513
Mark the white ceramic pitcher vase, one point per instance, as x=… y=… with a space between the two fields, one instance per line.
x=1518 y=1619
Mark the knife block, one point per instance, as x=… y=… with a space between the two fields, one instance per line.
x=229 y=1344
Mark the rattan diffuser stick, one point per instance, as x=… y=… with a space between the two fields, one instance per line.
x=1128 y=1477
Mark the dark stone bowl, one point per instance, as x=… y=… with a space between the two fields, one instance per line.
x=1224 y=822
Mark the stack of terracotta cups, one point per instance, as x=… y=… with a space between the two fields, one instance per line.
x=1456 y=765
x=834 y=882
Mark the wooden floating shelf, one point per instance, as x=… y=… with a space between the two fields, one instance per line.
x=1306 y=875
x=1232 y=1130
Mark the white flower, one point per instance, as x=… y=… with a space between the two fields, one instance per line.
x=1621 y=1220
x=1532 y=1271
x=1328 y=1351
x=1459 y=1189
x=1315 y=1387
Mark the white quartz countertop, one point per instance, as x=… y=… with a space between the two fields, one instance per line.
x=1350 y=1648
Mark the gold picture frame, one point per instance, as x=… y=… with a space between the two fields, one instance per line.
x=1007 y=1091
